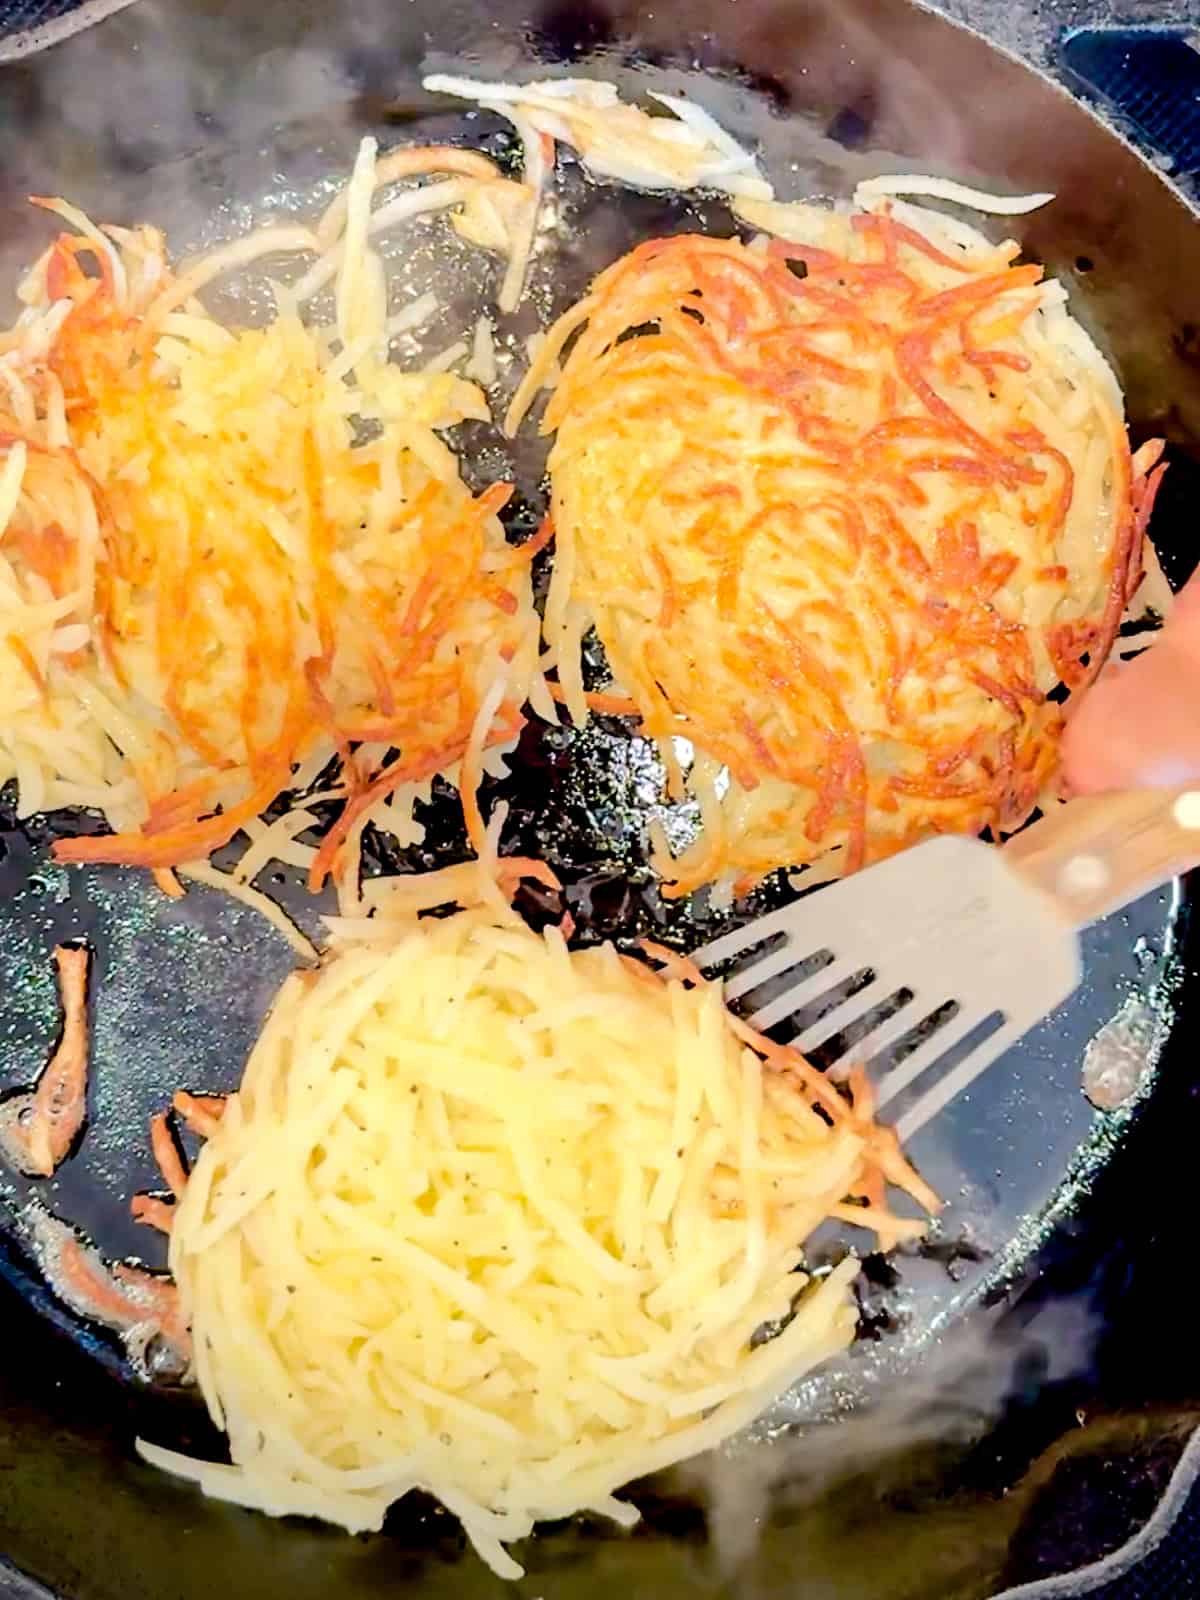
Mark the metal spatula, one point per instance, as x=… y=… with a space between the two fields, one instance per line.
x=931 y=964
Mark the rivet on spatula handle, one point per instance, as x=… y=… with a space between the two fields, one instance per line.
x=1100 y=852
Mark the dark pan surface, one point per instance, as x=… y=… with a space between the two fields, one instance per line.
x=275 y=104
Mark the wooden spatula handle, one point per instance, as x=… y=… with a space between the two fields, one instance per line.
x=1096 y=854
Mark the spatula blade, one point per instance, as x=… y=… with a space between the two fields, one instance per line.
x=949 y=920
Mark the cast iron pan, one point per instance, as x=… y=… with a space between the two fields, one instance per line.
x=177 y=111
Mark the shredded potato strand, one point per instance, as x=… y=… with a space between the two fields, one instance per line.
x=685 y=149
x=842 y=512
x=500 y=1221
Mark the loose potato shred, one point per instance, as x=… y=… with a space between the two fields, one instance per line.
x=141 y=1306
x=38 y=1129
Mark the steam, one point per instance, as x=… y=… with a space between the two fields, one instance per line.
x=883 y=1418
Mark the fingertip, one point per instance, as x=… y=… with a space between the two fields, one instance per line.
x=1138 y=728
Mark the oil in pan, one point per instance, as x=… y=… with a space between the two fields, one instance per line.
x=180 y=987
